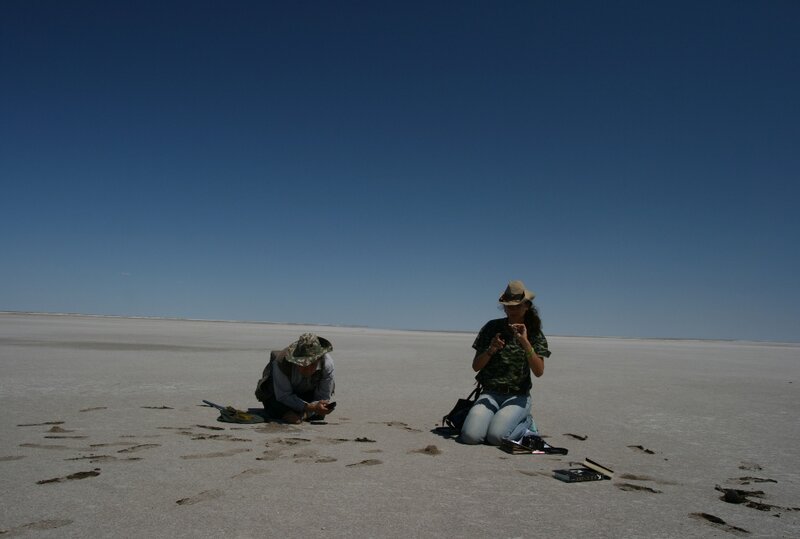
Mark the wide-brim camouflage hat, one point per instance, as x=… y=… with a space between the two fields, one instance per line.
x=515 y=293
x=307 y=349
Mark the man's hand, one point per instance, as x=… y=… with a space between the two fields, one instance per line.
x=319 y=407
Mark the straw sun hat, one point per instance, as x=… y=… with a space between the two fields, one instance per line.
x=515 y=293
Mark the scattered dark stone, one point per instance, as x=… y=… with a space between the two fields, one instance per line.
x=642 y=449
x=429 y=450
x=84 y=475
x=368 y=462
x=749 y=479
x=633 y=477
x=760 y=506
x=203 y=496
x=632 y=487
x=576 y=436
x=210 y=427
x=139 y=447
x=70 y=477
x=711 y=518
x=732 y=496
x=292 y=441
x=718 y=522
x=752 y=466
x=45 y=446
x=45 y=481
x=41 y=525
x=399 y=424
x=735 y=495
x=224 y=437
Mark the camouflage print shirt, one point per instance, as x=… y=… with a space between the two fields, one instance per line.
x=507 y=371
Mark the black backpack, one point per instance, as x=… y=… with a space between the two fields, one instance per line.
x=264 y=388
x=455 y=419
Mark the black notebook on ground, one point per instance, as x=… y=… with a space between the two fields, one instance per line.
x=589 y=471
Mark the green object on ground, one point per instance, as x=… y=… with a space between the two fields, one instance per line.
x=229 y=414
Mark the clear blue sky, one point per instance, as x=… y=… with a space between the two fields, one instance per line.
x=394 y=164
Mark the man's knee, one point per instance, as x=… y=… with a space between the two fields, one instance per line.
x=292 y=417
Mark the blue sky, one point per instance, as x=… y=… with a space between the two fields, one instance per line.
x=395 y=164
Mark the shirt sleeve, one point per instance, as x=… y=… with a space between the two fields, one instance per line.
x=483 y=339
x=283 y=390
x=540 y=345
x=324 y=390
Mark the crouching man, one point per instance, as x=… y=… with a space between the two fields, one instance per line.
x=297 y=383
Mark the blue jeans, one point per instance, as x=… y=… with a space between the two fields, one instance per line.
x=495 y=416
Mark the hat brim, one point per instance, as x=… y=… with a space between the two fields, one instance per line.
x=305 y=361
x=528 y=296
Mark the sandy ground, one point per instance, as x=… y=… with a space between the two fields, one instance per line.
x=104 y=435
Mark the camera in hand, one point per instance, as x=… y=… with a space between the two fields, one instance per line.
x=508 y=335
x=331 y=405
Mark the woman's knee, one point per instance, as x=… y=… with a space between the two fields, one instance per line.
x=497 y=432
x=473 y=432
x=470 y=438
x=503 y=425
x=493 y=438
x=475 y=426
x=496 y=436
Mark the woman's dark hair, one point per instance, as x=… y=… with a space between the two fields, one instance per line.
x=532 y=321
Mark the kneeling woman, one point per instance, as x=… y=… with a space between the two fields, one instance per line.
x=507 y=350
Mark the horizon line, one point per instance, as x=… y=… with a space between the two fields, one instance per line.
x=356 y=326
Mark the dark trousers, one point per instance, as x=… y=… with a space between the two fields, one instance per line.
x=276 y=410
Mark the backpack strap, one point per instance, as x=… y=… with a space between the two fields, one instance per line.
x=455 y=419
x=284 y=366
x=475 y=393
x=264 y=389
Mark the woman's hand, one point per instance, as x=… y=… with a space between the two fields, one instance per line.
x=520 y=331
x=483 y=357
x=535 y=362
x=497 y=344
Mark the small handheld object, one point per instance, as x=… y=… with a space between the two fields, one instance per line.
x=217 y=406
x=331 y=405
x=508 y=334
